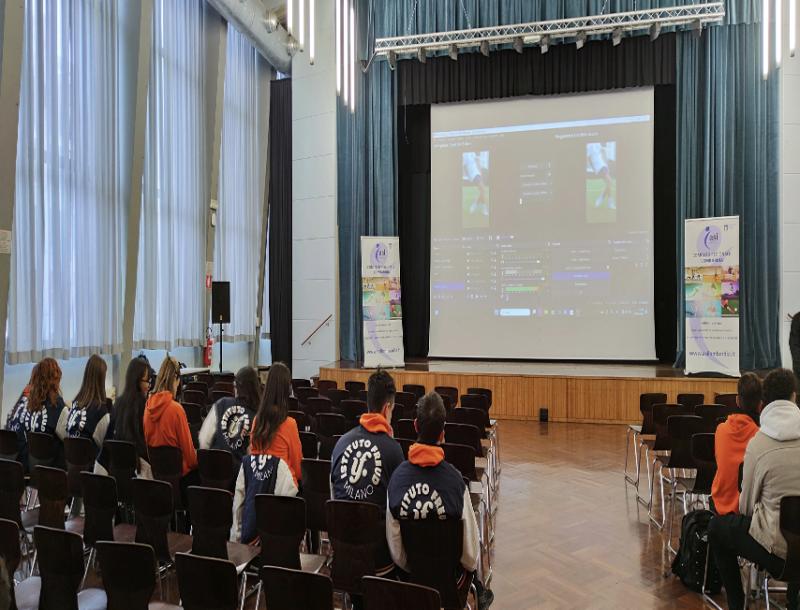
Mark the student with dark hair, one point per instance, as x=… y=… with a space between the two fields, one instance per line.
x=127 y=416
x=770 y=473
x=89 y=417
x=427 y=487
x=794 y=343
x=227 y=425
x=364 y=459
x=40 y=408
x=730 y=442
x=274 y=432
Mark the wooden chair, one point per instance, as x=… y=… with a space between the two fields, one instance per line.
x=384 y=594
x=462 y=458
x=8 y=445
x=314 y=405
x=354 y=387
x=129 y=576
x=316 y=491
x=405 y=429
x=464 y=434
x=310 y=444
x=475 y=401
x=217 y=468
x=450 y=392
x=355 y=533
x=483 y=391
x=41 y=452
x=123 y=463
x=301 y=419
x=336 y=396
x=300 y=383
x=323 y=385
x=304 y=393
x=167 y=464
x=154 y=509
x=286 y=589
x=79 y=454
x=53 y=492
x=690 y=400
x=727 y=400
x=635 y=433
x=417 y=390
x=197 y=397
x=12 y=554
x=12 y=488
x=206 y=583
x=352 y=411
x=329 y=426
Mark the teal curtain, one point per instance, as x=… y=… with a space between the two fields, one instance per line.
x=720 y=96
x=727 y=160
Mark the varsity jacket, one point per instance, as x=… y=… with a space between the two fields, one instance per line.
x=363 y=461
x=50 y=419
x=91 y=422
x=427 y=487
x=227 y=426
x=259 y=474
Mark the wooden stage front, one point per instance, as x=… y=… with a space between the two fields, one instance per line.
x=594 y=393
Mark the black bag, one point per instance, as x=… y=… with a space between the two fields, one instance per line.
x=690 y=562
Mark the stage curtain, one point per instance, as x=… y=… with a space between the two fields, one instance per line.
x=728 y=147
x=280 y=220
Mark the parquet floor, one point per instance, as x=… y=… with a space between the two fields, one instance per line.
x=570 y=533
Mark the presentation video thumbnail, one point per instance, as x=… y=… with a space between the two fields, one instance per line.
x=712 y=292
x=601 y=182
x=475 y=198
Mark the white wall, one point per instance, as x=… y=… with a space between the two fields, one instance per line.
x=790 y=189
x=314 y=227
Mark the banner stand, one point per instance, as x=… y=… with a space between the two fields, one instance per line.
x=380 y=297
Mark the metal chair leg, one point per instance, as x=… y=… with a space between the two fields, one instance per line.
x=628 y=478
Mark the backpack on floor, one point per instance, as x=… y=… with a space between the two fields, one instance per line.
x=690 y=562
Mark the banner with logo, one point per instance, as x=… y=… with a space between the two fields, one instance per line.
x=380 y=295
x=711 y=294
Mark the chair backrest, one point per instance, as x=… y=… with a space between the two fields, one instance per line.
x=385 y=594
x=152 y=501
x=713 y=415
x=790 y=529
x=194 y=413
x=354 y=387
x=690 y=400
x=206 y=378
x=331 y=424
x=310 y=445
x=352 y=411
x=405 y=445
x=219 y=394
x=355 y=533
x=464 y=434
x=467 y=415
x=79 y=454
x=8 y=445
x=336 y=396
x=316 y=491
x=167 y=464
x=646 y=402
x=405 y=429
x=128 y=570
x=287 y=589
x=364 y=396
x=407 y=399
x=323 y=385
x=315 y=405
x=449 y=391
x=300 y=383
x=728 y=400
x=462 y=458
x=304 y=393
x=12 y=486
x=413 y=388
x=681 y=429
x=705 y=461
x=433 y=548
x=660 y=414
x=60 y=555
x=122 y=464
x=196 y=386
x=401 y=411
x=53 y=492
x=206 y=583
x=281 y=525
x=197 y=397
x=217 y=468
x=476 y=401
x=41 y=451
x=300 y=418
x=9 y=545
x=212 y=517
x=485 y=391
x=100 y=505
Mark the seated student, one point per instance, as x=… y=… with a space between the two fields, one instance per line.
x=730 y=442
x=427 y=487
x=127 y=416
x=40 y=408
x=364 y=459
x=165 y=420
x=274 y=432
x=227 y=425
x=770 y=473
x=89 y=417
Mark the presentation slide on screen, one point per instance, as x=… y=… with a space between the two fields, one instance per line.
x=542 y=228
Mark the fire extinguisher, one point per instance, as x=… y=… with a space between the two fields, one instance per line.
x=208 y=348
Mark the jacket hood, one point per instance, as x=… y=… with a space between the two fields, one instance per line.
x=375 y=423
x=741 y=427
x=780 y=420
x=425 y=455
x=156 y=405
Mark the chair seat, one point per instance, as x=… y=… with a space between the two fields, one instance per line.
x=312 y=563
x=242 y=554
x=635 y=427
x=688 y=483
x=92 y=599
x=30 y=519
x=74 y=525
x=125 y=532
x=177 y=543
x=27 y=593
x=163 y=606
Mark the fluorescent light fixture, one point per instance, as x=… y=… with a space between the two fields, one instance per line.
x=301 y=17
x=485 y=48
x=392 y=57
x=311 y=25
x=518 y=44
x=580 y=40
x=792 y=27
x=422 y=56
x=352 y=59
x=778 y=33
x=452 y=51
x=290 y=16
x=345 y=53
x=338 y=47
x=765 y=38
x=616 y=36
x=544 y=44
x=655 y=31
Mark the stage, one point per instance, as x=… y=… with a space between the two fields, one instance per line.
x=592 y=393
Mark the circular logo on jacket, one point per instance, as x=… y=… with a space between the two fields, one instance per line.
x=76 y=421
x=421 y=501
x=360 y=469
x=37 y=422
x=260 y=466
x=235 y=425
